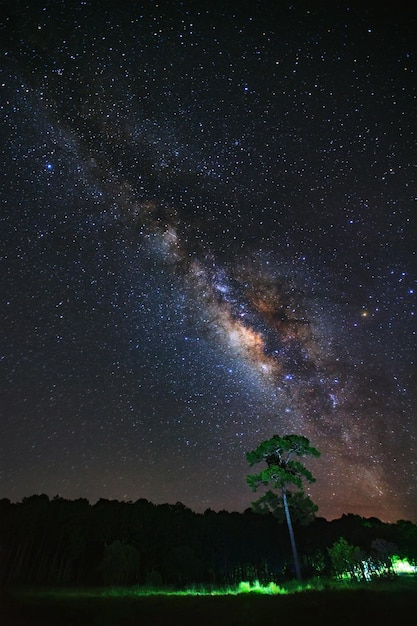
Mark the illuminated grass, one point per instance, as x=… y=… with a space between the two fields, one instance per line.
x=248 y=603
x=242 y=588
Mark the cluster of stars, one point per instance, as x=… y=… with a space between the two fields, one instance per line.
x=208 y=237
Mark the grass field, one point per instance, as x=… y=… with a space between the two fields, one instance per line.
x=373 y=604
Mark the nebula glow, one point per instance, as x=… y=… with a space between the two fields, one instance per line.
x=208 y=237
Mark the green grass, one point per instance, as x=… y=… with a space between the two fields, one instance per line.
x=372 y=603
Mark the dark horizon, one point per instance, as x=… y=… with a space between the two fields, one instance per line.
x=91 y=503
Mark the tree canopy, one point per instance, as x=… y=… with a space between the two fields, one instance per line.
x=284 y=474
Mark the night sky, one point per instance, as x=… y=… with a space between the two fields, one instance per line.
x=208 y=237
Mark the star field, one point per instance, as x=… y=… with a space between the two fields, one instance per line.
x=207 y=237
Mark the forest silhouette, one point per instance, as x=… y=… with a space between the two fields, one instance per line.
x=64 y=542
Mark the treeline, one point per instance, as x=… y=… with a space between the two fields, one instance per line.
x=71 y=542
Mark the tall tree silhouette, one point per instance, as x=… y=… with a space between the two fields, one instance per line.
x=283 y=474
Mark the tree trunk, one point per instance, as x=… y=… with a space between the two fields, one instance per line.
x=291 y=531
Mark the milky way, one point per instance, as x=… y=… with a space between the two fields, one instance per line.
x=208 y=237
